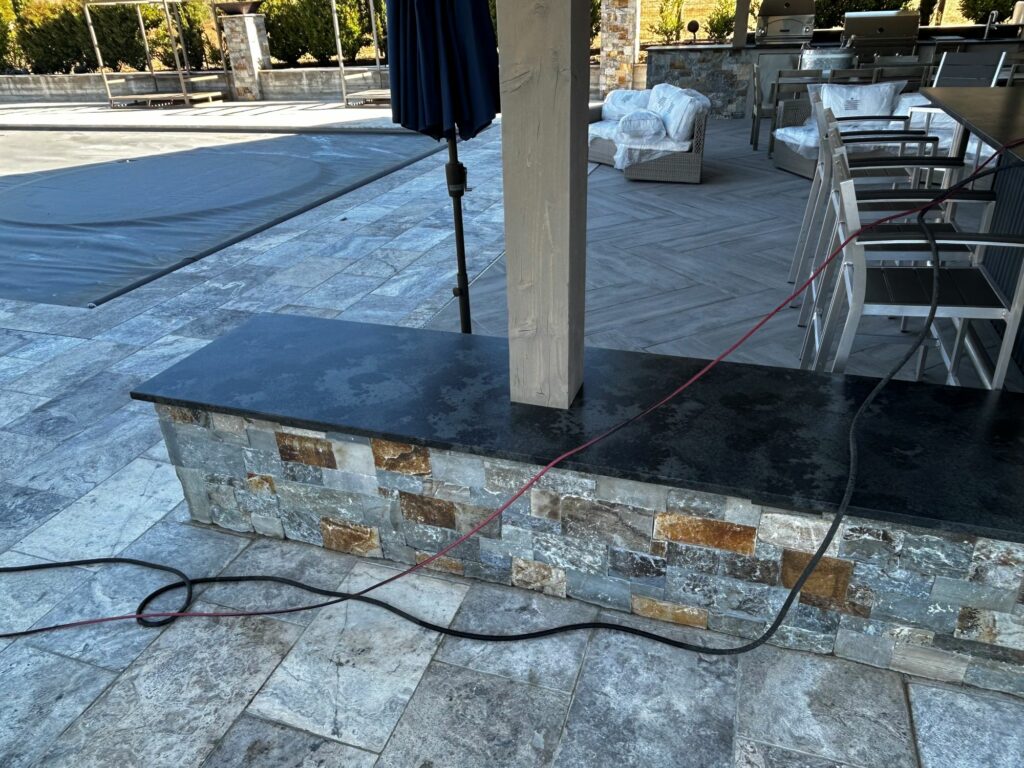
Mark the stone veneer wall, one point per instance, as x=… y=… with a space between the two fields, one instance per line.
x=620 y=43
x=720 y=72
x=942 y=606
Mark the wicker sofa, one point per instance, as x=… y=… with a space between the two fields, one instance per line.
x=680 y=167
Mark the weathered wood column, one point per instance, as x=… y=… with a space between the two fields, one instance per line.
x=544 y=56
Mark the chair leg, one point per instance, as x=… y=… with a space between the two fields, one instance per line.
x=795 y=269
x=922 y=361
x=957 y=353
x=822 y=250
x=755 y=132
x=849 y=333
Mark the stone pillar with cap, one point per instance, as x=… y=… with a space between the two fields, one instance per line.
x=248 y=52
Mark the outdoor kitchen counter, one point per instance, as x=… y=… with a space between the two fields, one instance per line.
x=932 y=456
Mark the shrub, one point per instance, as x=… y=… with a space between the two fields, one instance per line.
x=298 y=27
x=978 y=10
x=829 y=13
x=8 y=48
x=195 y=16
x=316 y=16
x=595 y=17
x=53 y=37
x=722 y=21
x=669 y=26
x=284 y=30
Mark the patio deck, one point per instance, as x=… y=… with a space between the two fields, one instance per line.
x=83 y=473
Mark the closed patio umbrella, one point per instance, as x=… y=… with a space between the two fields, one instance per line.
x=443 y=64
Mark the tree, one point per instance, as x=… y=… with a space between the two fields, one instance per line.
x=8 y=46
x=978 y=10
x=722 y=21
x=669 y=27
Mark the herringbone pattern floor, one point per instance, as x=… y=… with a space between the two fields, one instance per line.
x=685 y=269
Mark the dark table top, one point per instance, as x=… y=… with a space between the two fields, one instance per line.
x=940 y=457
x=996 y=115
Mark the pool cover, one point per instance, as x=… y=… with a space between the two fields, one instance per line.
x=80 y=236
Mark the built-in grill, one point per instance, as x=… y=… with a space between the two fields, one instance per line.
x=784 y=22
x=881 y=33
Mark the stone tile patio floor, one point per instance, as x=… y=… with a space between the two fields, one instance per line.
x=83 y=473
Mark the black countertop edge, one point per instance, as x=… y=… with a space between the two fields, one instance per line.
x=774 y=436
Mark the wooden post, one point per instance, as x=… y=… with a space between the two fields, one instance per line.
x=739 y=32
x=544 y=55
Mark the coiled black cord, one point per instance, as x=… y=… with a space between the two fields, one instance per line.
x=156 y=619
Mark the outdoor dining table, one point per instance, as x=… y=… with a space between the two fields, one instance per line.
x=996 y=116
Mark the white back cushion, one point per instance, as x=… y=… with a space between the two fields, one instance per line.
x=620 y=103
x=678 y=109
x=854 y=100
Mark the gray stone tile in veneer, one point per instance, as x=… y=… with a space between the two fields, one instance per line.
x=461 y=718
x=827 y=707
x=255 y=743
x=551 y=662
x=624 y=675
x=173 y=705
x=351 y=675
x=43 y=694
x=957 y=728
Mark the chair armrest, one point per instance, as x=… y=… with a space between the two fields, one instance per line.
x=944 y=238
x=595 y=113
x=866 y=118
x=883 y=139
x=906 y=161
x=923 y=195
x=700 y=126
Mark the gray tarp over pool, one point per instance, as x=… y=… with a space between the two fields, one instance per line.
x=80 y=235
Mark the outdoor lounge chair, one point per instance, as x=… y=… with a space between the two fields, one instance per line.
x=680 y=161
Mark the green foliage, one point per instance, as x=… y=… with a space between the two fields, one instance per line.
x=978 y=10
x=195 y=18
x=722 y=21
x=829 y=13
x=353 y=32
x=595 y=17
x=8 y=46
x=670 y=25
x=284 y=30
x=298 y=27
x=53 y=37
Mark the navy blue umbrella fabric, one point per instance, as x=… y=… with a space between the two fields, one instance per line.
x=443 y=64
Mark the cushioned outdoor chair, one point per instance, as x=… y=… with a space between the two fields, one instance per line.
x=657 y=162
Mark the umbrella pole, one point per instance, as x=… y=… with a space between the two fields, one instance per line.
x=456 y=174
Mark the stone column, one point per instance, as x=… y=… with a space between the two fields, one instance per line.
x=248 y=51
x=620 y=43
x=545 y=66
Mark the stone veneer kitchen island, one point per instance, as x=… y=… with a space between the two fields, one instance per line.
x=388 y=442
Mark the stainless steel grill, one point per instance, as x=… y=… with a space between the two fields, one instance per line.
x=784 y=22
x=881 y=33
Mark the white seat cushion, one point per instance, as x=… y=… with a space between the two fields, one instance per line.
x=641 y=124
x=603 y=129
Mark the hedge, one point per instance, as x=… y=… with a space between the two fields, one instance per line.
x=978 y=10
x=299 y=27
x=53 y=36
x=829 y=13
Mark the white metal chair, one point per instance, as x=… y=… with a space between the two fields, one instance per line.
x=966 y=292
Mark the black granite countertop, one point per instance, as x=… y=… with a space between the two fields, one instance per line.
x=939 y=457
